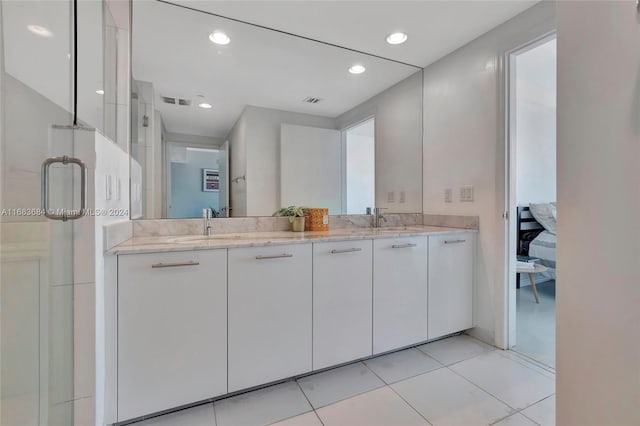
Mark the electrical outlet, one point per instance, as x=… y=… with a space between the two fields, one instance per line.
x=403 y=197
x=391 y=197
x=466 y=193
x=448 y=195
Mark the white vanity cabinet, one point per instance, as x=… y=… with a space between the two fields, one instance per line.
x=194 y=325
x=342 y=302
x=399 y=292
x=450 y=283
x=270 y=314
x=172 y=330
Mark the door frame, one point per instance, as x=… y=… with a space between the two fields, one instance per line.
x=510 y=201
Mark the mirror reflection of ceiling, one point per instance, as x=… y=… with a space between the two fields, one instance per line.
x=27 y=54
x=38 y=50
x=435 y=27
x=259 y=67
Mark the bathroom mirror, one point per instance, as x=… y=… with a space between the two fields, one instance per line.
x=245 y=120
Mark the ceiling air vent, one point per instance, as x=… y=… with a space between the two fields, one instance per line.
x=311 y=100
x=176 y=101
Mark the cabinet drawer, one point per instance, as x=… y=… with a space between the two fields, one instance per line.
x=270 y=313
x=172 y=330
x=450 y=283
x=342 y=302
x=399 y=292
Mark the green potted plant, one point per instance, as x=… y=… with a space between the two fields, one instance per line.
x=296 y=216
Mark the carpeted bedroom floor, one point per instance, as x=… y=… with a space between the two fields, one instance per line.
x=536 y=323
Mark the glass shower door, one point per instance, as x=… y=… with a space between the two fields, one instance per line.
x=37 y=102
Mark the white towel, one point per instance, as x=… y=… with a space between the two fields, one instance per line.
x=525 y=265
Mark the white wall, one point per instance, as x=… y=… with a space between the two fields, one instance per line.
x=535 y=125
x=255 y=149
x=117 y=72
x=156 y=160
x=109 y=160
x=398 y=142
x=464 y=145
x=598 y=303
x=262 y=153
x=194 y=140
x=311 y=167
x=147 y=149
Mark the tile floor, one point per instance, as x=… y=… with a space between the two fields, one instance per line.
x=536 y=323
x=457 y=381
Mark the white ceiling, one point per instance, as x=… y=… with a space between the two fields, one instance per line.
x=171 y=49
x=435 y=28
x=275 y=70
x=44 y=64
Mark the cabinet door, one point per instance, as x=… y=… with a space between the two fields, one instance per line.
x=269 y=314
x=342 y=302
x=399 y=292
x=450 y=283
x=172 y=330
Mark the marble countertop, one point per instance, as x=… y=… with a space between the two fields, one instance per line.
x=254 y=239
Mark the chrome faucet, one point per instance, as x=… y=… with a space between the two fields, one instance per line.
x=378 y=216
x=206 y=218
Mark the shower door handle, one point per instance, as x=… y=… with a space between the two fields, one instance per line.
x=63 y=215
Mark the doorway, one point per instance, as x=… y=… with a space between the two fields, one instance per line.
x=531 y=183
x=194 y=181
x=359 y=153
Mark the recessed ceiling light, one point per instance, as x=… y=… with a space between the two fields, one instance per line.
x=357 y=69
x=100 y=92
x=219 y=38
x=397 y=38
x=38 y=30
x=204 y=105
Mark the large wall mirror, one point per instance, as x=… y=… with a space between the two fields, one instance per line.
x=250 y=120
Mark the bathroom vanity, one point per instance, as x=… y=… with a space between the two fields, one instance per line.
x=199 y=318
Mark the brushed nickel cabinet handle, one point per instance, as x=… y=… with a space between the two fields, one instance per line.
x=404 y=245
x=174 y=265
x=454 y=241
x=349 y=250
x=275 y=256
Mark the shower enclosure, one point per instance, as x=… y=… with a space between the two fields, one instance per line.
x=53 y=81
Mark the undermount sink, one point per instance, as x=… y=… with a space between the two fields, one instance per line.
x=203 y=238
x=191 y=239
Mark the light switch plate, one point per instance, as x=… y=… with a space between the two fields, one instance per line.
x=391 y=197
x=448 y=195
x=118 y=189
x=466 y=193
x=107 y=187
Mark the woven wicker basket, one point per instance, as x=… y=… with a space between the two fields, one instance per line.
x=317 y=220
